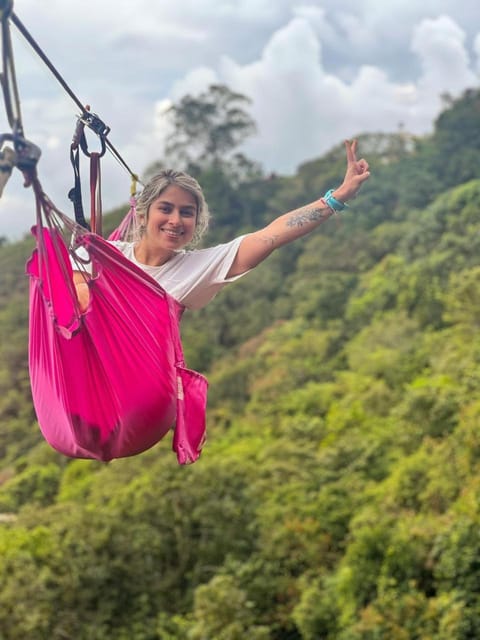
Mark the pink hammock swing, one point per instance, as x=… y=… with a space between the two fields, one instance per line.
x=111 y=381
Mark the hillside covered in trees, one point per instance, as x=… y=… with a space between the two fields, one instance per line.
x=337 y=496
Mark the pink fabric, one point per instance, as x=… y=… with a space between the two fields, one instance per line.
x=110 y=382
x=127 y=224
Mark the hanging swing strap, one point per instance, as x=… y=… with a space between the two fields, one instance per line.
x=75 y=193
x=9 y=81
x=79 y=142
x=95 y=193
x=24 y=154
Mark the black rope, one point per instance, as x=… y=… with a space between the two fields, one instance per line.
x=26 y=153
x=115 y=153
x=9 y=82
x=85 y=114
x=44 y=58
x=75 y=193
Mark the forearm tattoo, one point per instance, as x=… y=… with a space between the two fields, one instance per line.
x=305 y=215
x=270 y=240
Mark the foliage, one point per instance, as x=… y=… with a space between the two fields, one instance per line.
x=205 y=131
x=337 y=496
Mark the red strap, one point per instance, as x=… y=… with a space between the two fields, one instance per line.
x=95 y=194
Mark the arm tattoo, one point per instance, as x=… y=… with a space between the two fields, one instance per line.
x=306 y=215
x=271 y=240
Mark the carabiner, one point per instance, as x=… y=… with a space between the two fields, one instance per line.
x=28 y=153
x=94 y=123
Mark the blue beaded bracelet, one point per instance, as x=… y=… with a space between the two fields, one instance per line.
x=333 y=203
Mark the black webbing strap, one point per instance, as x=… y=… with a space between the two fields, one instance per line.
x=75 y=193
x=79 y=141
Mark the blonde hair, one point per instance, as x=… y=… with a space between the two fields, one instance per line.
x=156 y=185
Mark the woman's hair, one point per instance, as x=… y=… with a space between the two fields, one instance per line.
x=156 y=185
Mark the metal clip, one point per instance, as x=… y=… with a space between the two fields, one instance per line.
x=28 y=154
x=95 y=124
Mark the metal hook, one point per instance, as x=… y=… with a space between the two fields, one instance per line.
x=93 y=122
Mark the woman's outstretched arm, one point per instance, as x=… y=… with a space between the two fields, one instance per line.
x=257 y=246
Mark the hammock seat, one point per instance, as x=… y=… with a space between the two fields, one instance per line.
x=111 y=381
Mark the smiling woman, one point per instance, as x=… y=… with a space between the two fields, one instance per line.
x=171 y=224
x=172 y=215
x=120 y=371
x=171 y=206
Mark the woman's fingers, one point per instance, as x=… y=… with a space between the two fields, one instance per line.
x=351 y=149
x=362 y=166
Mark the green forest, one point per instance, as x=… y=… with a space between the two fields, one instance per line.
x=337 y=495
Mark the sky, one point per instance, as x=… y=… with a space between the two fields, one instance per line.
x=316 y=72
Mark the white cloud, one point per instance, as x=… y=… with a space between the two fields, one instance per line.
x=476 y=47
x=440 y=46
x=302 y=109
x=194 y=82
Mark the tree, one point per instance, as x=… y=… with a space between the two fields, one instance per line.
x=223 y=611
x=207 y=128
x=456 y=138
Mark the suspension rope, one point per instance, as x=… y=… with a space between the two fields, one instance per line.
x=88 y=118
x=8 y=77
x=44 y=58
x=25 y=154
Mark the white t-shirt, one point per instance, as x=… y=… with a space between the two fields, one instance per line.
x=193 y=277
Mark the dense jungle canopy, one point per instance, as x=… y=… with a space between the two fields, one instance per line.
x=337 y=496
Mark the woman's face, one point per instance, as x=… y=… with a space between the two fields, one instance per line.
x=171 y=218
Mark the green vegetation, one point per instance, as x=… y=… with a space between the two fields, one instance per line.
x=337 y=497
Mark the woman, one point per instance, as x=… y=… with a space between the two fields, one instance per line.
x=172 y=213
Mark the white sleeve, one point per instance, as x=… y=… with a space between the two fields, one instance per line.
x=203 y=273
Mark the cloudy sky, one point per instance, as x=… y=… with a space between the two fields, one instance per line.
x=317 y=71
